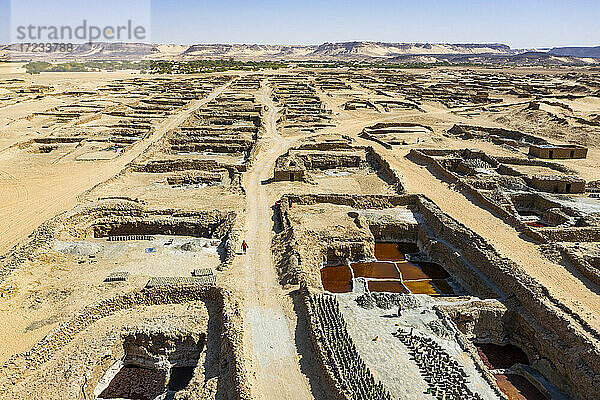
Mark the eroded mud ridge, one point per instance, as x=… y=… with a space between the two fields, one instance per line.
x=301 y=233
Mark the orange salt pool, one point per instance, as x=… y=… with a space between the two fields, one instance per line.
x=387 y=286
x=428 y=286
x=375 y=270
x=443 y=286
x=410 y=271
x=337 y=279
x=394 y=251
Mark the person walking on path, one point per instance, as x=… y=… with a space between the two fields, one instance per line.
x=244 y=246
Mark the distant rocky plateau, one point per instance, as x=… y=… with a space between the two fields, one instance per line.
x=493 y=53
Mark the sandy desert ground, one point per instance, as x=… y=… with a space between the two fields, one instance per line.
x=196 y=158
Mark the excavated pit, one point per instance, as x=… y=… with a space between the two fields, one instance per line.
x=500 y=359
x=515 y=387
x=210 y=224
x=391 y=134
x=131 y=243
x=384 y=287
x=154 y=364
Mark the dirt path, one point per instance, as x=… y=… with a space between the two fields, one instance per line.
x=269 y=320
x=33 y=195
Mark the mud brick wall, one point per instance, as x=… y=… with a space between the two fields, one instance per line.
x=217 y=146
x=539 y=163
x=421 y=157
x=572 y=234
x=356 y=201
x=469 y=131
x=343 y=144
x=385 y=167
x=556 y=184
x=394 y=232
x=330 y=160
x=588 y=270
x=159 y=166
x=479 y=321
x=232 y=244
x=373 y=138
x=51 y=140
x=197 y=177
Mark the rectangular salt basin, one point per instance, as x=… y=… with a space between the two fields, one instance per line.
x=516 y=387
x=421 y=270
x=337 y=279
x=375 y=269
x=394 y=251
x=387 y=286
x=429 y=287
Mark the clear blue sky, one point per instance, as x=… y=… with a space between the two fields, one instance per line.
x=518 y=23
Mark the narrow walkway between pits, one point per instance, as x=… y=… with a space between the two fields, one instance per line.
x=270 y=321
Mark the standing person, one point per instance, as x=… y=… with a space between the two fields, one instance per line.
x=244 y=246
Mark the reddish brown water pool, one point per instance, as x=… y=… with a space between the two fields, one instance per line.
x=376 y=269
x=391 y=271
x=410 y=271
x=337 y=279
x=515 y=387
x=428 y=286
x=387 y=286
x=501 y=357
x=421 y=270
x=394 y=251
x=433 y=270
